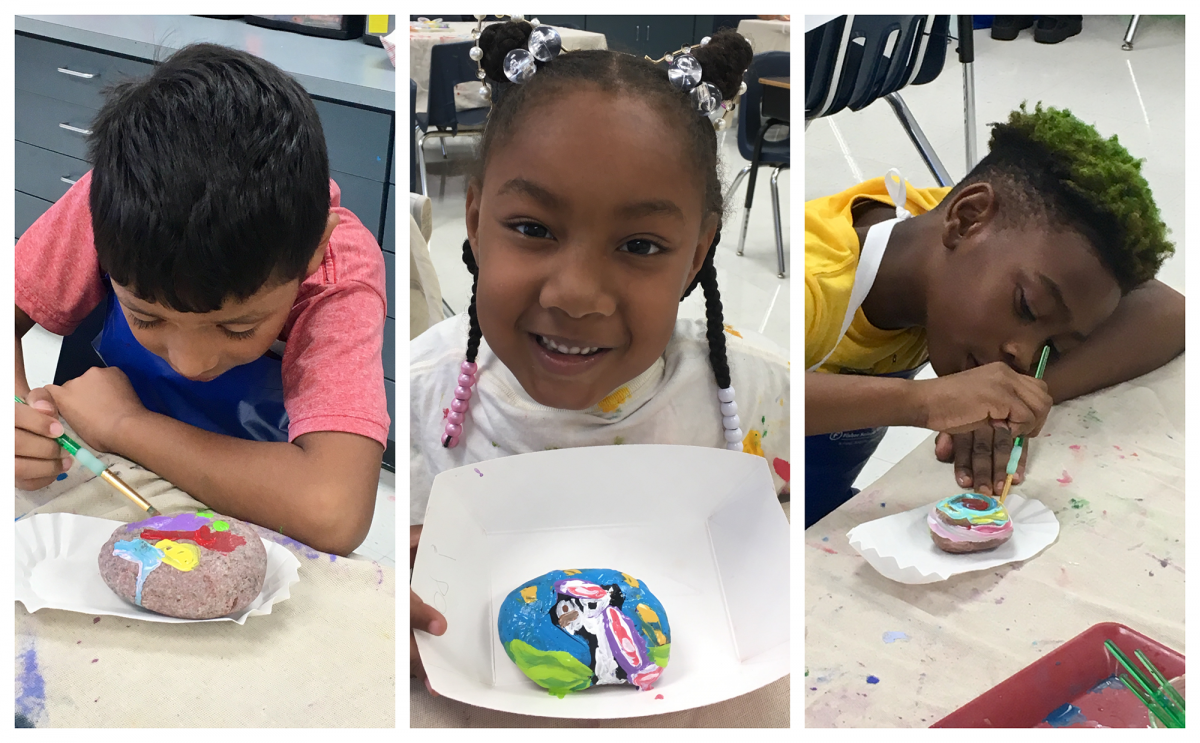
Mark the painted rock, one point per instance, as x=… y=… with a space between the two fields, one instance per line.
x=969 y=522
x=191 y=565
x=571 y=629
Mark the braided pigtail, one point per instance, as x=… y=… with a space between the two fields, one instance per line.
x=706 y=279
x=468 y=369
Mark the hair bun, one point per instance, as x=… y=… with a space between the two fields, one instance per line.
x=497 y=40
x=724 y=60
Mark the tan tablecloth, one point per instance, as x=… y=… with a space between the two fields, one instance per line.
x=1111 y=467
x=420 y=53
x=325 y=657
x=768 y=707
x=767 y=36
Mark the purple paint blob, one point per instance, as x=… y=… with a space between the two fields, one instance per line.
x=295 y=546
x=31 y=687
x=96 y=620
x=478 y=472
x=891 y=637
x=333 y=558
x=178 y=522
x=872 y=679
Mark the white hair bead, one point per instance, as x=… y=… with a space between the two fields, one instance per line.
x=725 y=395
x=730 y=447
x=734 y=436
x=729 y=408
x=731 y=422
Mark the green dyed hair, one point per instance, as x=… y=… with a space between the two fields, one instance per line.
x=1050 y=168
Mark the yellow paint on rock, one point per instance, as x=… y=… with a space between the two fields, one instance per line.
x=572 y=572
x=662 y=639
x=613 y=401
x=752 y=444
x=179 y=555
x=630 y=580
x=529 y=594
x=647 y=613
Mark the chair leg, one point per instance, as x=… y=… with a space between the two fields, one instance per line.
x=778 y=224
x=737 y=181
x=969 y=112
x=745 y=225
x=421 y=163
x=443 y=143
x=1129 y=33
x=913 y=129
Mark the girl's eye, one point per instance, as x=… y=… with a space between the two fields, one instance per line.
x=532 y=229
x=144 y=324
x=238 y=335
x=641 y=247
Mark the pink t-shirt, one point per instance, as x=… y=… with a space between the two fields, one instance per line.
x=332 y=365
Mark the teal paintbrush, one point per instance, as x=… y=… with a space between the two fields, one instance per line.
x=1019 y=443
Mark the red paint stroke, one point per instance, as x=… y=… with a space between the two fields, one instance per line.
x=1065 y=479
x=658 y=696
x=445 y=413
x=1116 y=447
x=823 y=548
x=1074 y=447
x=220 y=541
x=975 y=504
x=783 y=469
x=1133 y=454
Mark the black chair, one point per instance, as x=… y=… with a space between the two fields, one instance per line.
x=753 y=145
x=855 y=60
x=450 y=64
x=414 y=173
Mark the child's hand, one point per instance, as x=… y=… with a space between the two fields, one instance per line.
x=421 y=616
x=993 y=395
x=96 y=403
x=39 y=458
x=980 y=458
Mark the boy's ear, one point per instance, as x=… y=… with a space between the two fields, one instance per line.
x=474 y=194
x=970 y=211
x=319 y=255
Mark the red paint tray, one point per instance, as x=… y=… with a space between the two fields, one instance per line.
x=1079 y=673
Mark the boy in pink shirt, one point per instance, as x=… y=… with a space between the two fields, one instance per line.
x=244 y=306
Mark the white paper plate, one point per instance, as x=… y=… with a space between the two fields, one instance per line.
x=57 y=568
x=900 y=547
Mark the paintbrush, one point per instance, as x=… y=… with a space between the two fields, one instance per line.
x=1160 y=698
x=1019 y=443
x=89 y=460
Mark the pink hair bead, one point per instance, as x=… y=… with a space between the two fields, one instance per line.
x=453 y=430
x=453 y=442
x=465 y=380
x=459 y=406
x=462 y=393
x=456 y=418
x=469 y=367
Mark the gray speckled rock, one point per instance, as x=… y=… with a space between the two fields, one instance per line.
x=230 y=564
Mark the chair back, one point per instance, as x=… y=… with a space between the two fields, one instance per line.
x=449 y=65
x=414 y=173
x=750 y=120
x=858 y=59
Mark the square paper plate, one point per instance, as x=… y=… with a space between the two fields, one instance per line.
x=900 y=548
x=702 y=527
x=57 y=568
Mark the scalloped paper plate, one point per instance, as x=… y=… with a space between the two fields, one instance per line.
x=57 y=568
x=900 y=548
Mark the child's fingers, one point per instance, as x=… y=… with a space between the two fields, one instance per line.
x=34 y=474
x=414 y=536
x=415 y=669
x=962 y=459
x=1020 y=476
x=943 y=447
x=33 y=446
x=34 y=421
x=424 y=617
x=40 y=400
x=1002 y=443
x=981 y=462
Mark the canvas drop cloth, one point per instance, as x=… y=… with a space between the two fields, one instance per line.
x=323 y=658
x=1111 y=467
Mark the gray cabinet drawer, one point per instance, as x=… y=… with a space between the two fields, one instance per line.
x=40 y=122
x=41 y=172
x=357 y=139
x=29 y=208
x=363 y=197
x=389 y=221
x=389 y=265
x=38 y=65
x=389 y=389
x=389 y=348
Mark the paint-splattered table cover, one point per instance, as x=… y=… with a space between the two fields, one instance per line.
x=1111 y=466
x=323 y=658
x=768 y=707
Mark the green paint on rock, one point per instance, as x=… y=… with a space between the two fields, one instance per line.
x=1078 y=503
x=206 y=513
x=557 y=671
x=220 y=526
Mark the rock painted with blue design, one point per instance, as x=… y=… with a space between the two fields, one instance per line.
x=569 y=630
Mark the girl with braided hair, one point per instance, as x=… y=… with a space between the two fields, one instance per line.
x=594 y=210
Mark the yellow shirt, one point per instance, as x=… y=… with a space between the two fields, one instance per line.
x=831 y=252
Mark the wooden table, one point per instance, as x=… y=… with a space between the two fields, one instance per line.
x=776 y=98
x=1111 y=467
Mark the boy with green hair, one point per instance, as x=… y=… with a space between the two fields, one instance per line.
x=1052 y=239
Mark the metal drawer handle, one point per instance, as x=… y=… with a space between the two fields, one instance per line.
x=66 y=180
x=73 y=73
x=77 y=130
